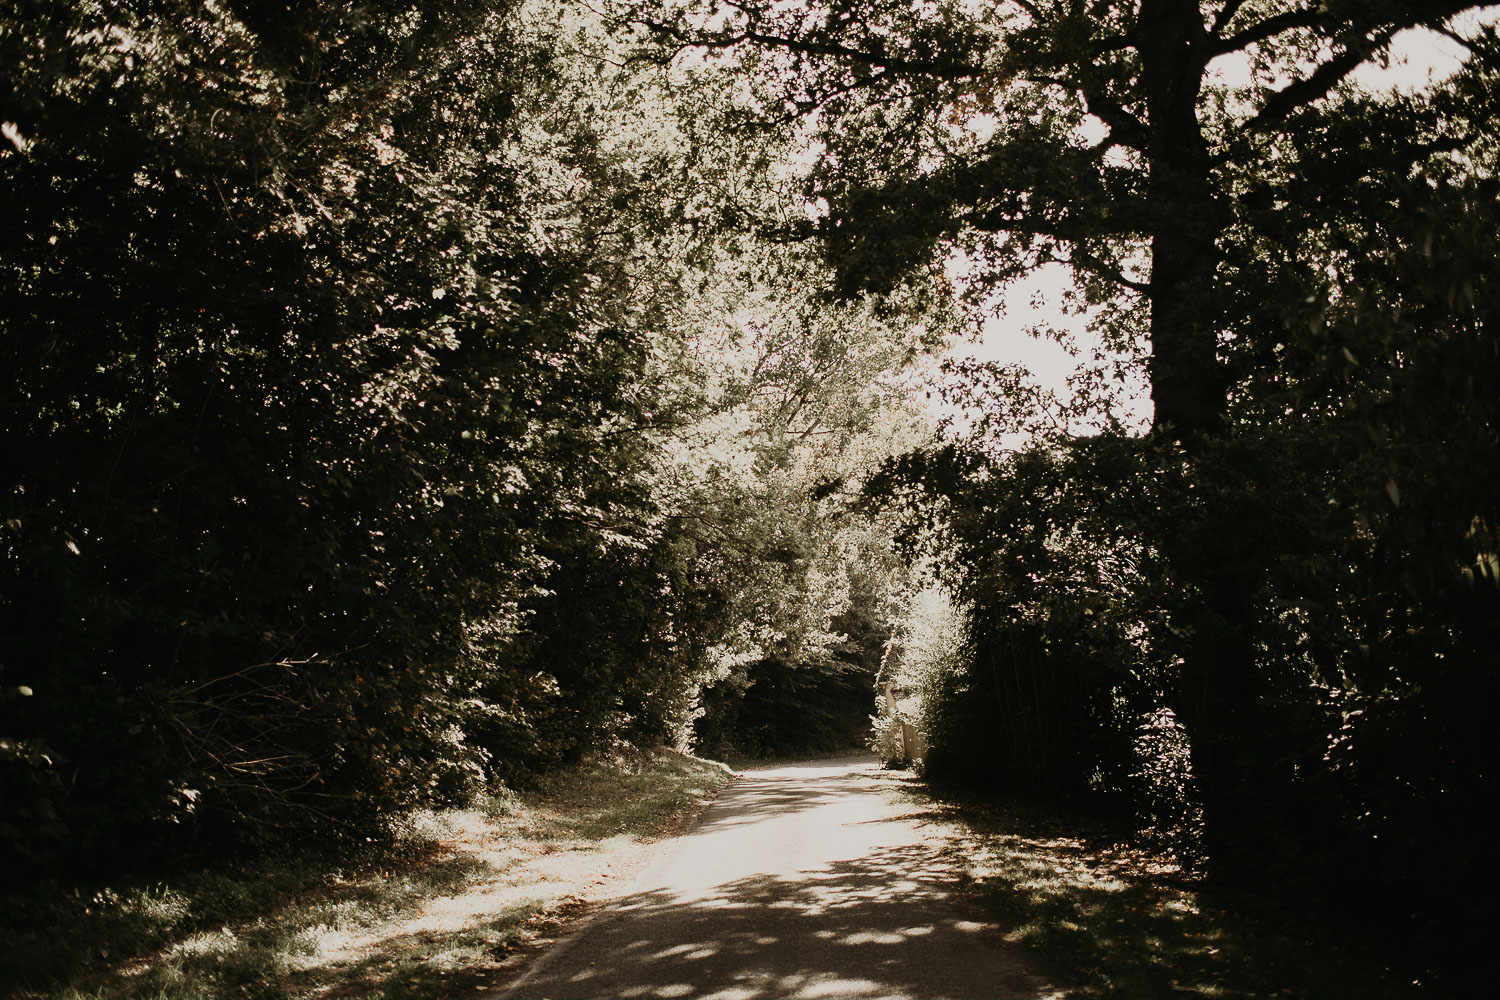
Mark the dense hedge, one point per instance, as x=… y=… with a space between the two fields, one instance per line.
x=1357 y=537
x=395 y=402
x=328 y=418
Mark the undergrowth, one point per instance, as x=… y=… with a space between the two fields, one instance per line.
x=1109 y=916
x=432 y=914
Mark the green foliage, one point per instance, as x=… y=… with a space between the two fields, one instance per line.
x=1355 y=727
x=1297 y=561
x=396 y=399
x=307 y=919
x=811 y=693
x=291 y=378
x=924 y=652
x=886 y=738
x=1043 y=673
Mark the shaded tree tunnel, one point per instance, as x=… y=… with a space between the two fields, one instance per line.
x=401 y=400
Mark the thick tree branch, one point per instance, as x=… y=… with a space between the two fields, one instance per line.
x=1226 y=14
x=1361 y=45
x=1125 y=129
x=1269 y=28
x=1316 y=84
x=1081 y=258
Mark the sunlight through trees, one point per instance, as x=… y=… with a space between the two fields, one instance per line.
x=404 y=399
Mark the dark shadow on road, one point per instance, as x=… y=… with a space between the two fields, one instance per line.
x=886 y=925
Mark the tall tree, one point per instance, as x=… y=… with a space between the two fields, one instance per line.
x=1027 y=131
x=1019 y=132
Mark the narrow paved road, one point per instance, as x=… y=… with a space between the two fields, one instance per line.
x=801 y=881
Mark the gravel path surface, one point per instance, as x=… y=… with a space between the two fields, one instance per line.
x=803 y=880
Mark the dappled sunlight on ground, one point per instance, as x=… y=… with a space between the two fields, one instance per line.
x=803 y=881
x=472 y=904
x=1128 y=923
x=444 y=913
x=543 y=867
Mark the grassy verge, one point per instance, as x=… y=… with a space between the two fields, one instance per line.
x=1108 y=918
x=435 y=919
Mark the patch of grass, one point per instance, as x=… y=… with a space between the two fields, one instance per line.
x=1110 y=918
x=645 y=796
x=433 y=918
x=742 y=762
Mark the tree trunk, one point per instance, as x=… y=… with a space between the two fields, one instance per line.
x=1187 y=381
x=1216 y=695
